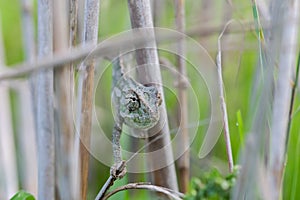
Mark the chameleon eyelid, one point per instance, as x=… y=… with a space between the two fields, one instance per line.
x=147 y=95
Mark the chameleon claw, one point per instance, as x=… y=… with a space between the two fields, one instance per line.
x=118 y=170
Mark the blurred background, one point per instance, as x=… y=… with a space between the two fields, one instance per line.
x=245 y=85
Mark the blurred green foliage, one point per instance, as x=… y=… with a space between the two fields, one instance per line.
x=239 y=64
x=10 y=20
x=212 y=185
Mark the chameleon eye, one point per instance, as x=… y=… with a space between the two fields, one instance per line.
x=133 y=102
x=133 y=105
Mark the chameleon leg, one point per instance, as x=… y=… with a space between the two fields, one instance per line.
x=117 y=170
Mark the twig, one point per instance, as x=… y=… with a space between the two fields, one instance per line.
x=73 y=17
x=171 y=193
x=184 y=160
x=64 y=134
x=45 y=112
x=223 y=103
x=104 y=49
x=73 y=22
x=110 y=181
x=85 y=92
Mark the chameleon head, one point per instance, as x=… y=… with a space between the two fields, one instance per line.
x=139 y=106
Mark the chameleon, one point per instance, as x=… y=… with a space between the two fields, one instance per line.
x=135 y=105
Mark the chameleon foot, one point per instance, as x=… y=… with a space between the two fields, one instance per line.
x=118 y=170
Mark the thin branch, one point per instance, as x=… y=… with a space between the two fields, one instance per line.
x=223 y=103
x=110 y=181
x=73 y=9
x=105 y=49
x=45 y=113
x=171 y=193
x=64 y=138
x=73 y=22
x=73 y=17
x=184 y=160
x=85 y=92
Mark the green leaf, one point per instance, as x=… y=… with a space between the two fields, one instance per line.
x=22 y=195
x=212 y=185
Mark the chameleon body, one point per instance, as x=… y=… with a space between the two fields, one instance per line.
x=135 y=105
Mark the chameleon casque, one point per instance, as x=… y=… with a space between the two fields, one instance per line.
x=135 y=105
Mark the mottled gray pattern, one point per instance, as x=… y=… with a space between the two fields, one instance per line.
x=135 y=105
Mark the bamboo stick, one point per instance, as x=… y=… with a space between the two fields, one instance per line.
x=85 y=92
x=140 y=14
x=44 y=106
x=184 y=160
